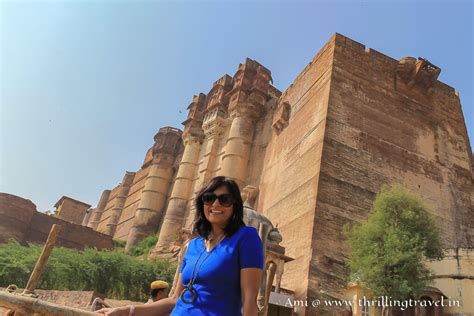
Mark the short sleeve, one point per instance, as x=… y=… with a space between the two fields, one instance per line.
x=183 y=264
x=184 y=250
x=250 y=250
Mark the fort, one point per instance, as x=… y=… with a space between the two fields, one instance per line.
x=311 y=159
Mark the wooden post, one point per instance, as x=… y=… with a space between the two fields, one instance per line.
x=23 y=305
x=42 y=260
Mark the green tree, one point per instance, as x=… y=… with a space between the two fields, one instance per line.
x=387 y=252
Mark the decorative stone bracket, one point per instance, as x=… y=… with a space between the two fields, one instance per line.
x=193 y=123
x=282 y=117
x=168 y=140
x=418 y=72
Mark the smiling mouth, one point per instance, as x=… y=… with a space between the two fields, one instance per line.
x=216 y=212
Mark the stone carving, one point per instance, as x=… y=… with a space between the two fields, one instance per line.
x=262 y=79
x=196 y=108
x=216 y=107
x=282 y=117
x=193 y=124
x=418 y=72
x=217 y=97
x=238 y=80
x=214 y=121
x=269 y=236
x=252 y=75
x=167 y=141
x=256 y=219
x=250 y=91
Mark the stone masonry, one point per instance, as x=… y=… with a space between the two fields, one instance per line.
x=71 y=210
x=19 y=220
x=133 y=209
x=318 y=153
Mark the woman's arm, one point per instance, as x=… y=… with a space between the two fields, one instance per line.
x=249 y=285
x=161 y=307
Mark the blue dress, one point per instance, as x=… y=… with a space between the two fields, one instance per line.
x=218 y=281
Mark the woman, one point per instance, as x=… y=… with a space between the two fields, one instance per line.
x=221 y=270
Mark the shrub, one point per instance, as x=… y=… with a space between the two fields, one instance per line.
x=144 y=246
x=112 y=273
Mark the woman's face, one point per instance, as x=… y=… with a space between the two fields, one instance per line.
x=215 y=212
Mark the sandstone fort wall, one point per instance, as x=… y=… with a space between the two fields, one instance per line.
x=20 y=220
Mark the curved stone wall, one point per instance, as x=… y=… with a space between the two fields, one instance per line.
x=15 y=216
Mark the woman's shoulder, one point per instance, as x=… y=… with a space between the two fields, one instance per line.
x=247 y=231
x=195 y=242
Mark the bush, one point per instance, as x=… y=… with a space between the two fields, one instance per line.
x=144 y=246
x=119 y=243
x=112 y=273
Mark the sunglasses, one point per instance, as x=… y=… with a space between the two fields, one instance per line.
x=225 y=200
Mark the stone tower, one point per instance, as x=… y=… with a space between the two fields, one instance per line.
x=219 y=138
x=134 y=208
x=71 y=210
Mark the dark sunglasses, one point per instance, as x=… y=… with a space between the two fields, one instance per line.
x=225 y=200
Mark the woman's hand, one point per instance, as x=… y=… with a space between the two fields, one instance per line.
x=161 y=307
x=118 y=311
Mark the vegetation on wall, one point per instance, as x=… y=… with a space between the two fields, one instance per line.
x=119 y=243
x=144 y=246
x=112 y=273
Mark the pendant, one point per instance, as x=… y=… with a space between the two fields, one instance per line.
x=190 y=289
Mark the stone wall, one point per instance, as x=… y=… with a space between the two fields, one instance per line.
x=134 y=208
x=107 y=212
x=125 y=222
x=71 y=235
x=20 y=220
x=454 y=276
x=381 y=130
x=15 y=217
x=291 y=171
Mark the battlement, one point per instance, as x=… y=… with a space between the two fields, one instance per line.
x=345 y=42
x=370 y=55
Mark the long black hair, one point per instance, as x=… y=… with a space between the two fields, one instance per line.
x=202 y=226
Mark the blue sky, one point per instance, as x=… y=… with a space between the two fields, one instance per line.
x=85 y=85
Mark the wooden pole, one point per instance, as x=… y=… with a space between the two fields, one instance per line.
x=42 y=260
x=24 y=305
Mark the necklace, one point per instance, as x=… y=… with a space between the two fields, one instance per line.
x=213 y=241
x=189 y=287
